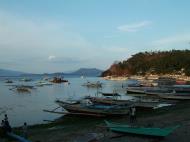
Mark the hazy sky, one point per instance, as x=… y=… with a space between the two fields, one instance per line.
x=64 y=35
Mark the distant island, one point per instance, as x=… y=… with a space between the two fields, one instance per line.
x=86 y=72
x=158 y=62
x=5 y=72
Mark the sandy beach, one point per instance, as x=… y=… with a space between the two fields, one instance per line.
x=83 y=129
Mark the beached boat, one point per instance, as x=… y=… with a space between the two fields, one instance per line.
x=143 y=104
x=136 y=90
x=109 y=101
x=110 y=94
x=172 y=95
x=95 y=110
x=156 y=91
x=123 y=128
x=175 y=96
x=181 y=88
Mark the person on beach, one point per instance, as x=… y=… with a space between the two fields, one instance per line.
x=3 y=129
x=6 y=118
x=2 y=124
x=25 y=130
x=7 y=125
x=132 y=114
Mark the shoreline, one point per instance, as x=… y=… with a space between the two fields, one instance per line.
x=69 y=128
x=146 y=77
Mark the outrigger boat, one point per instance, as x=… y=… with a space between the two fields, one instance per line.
x=110 y=94
x=136 y=90
x=93 y=85
x=123 y=128
x=94 y=110
x=175 y=96
x=145 y=104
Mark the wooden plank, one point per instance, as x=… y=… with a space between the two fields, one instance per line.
x=75 y=113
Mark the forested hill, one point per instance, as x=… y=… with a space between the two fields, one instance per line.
x=174 y=61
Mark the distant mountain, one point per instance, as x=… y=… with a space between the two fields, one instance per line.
x=87 y=72
x=5 y=72
x=81 y=72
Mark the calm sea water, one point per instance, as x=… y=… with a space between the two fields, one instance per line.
x=24 y=107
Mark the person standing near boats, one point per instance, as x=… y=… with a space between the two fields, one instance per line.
x=3 y=129
x=25 y=130
x=6 y=123
x=132 y=114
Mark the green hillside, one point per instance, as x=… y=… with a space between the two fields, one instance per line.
x=159 y=62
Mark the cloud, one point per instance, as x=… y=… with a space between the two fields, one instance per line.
x=65 y=60
x=34 y=41
x=134 y=27
x=172 y=40
x=51 y=57
x=32 y=45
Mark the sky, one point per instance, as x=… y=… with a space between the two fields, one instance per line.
x=40 y=36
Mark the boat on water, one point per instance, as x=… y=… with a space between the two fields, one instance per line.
x=97 y=84
x=8 y=81
x=26 y=79
x=71 y=102
x=22 y=88
x=148 y=131
x=58 y=80
x=43 y=83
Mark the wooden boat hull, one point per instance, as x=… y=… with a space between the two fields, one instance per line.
x=109 y=101
x=110 y=94
x=78 y=108
x=129 y=91
x=136 y=90
x=159 y=132
x=174 y=97
x=126 y=103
